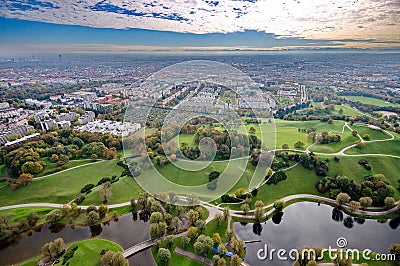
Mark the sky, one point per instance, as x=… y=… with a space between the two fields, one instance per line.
x=179 y=25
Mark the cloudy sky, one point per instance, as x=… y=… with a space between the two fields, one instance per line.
x=127 y=25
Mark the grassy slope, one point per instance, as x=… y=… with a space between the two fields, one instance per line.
x=88 y=252
x=59 y=188
x=369 y=100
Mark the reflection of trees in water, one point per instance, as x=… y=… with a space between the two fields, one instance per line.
x=277 y=217
x=56 y=228
x=243 y=223
x=348 y=222
x=134 y=216
x=96 y=230
x=395 y=222
x=337 y=215
x=144 y=216
x=359 y=220
x=257 y=228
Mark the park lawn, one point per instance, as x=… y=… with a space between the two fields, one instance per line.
x=391 y=147
x=17 y=214
x=347 y=139
x=177 y=259
x=31 y=262
x=88 y=252
x=213 y=227
x=186 y=138
x=70 y=164
x=123 y=190
x=370 y=100
x=347 y=110
x=373 y=133
x=288 y=135
x=190 y=178
x=61 y=187
x=299 y=181
x=349 y=167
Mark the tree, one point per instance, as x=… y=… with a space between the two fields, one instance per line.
x=341 y=111
x=58 y=246
x=236 y=260
x=222 y=249
x=229 y=234
x=193 y=216
x=259 y=204
x=259 y=214
x=53 y=158
x=32 y=168
x=105 y=191
x=342 y=198
x=239 y=192
x=103 y=210
x=170 y=240
x=389 y=202
x=395 y=249
x=285 y=146
x=185 y=241
x=221 y=262
x=354 y=206
x=32 y=218
x=226 y=213
x=203 y=245
x=201 y=225
x=118 y=259
x=365 y=202
x=278 y=205
x=192 y=232
x=24 y=179
x=92 y=218
x=54 y=216
x=299 y=144
x=156 y=217
x=216 y=239
x=245 y=208
x=94 y=157
x=252 y=130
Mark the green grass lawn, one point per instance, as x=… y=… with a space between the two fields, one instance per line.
x=347 y=139
x=177 y=259
x=17 y=214
x=299 y=180
x=61 y=187
x=369 y=100
x=70 y=164
x=373 y=133
x=124 y=190
x=380 y=165
x=391 y=147
x=213 y=227
x=88 y=252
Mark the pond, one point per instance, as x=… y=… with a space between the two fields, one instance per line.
x=307 y=224
x=126 y=232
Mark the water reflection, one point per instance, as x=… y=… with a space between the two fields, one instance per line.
x=307 y=224
x=126 y=232
x=337 y=215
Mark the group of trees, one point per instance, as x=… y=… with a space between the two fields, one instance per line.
x=375 y=187
x=8 y=228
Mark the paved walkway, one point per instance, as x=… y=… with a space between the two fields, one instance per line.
x=193 y=256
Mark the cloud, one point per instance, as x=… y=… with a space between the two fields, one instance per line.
x=311 y=19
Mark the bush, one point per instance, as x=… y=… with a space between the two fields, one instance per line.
x=69 y=254
x=103 y=180
x=87 y=188
x=229 y=199
x=276 y=178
